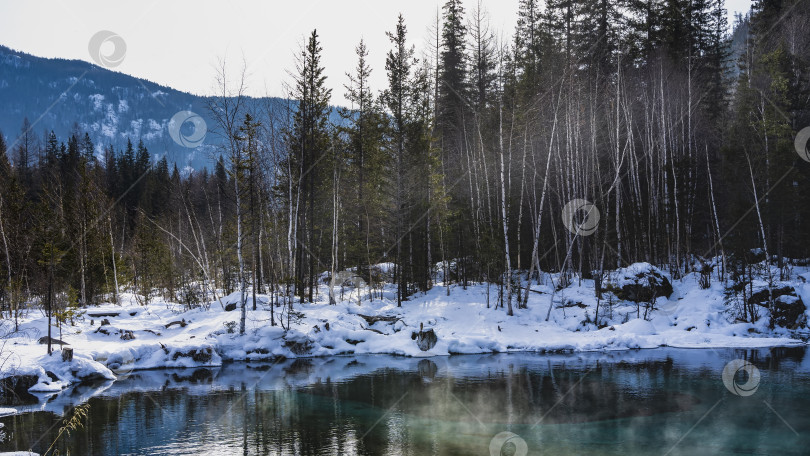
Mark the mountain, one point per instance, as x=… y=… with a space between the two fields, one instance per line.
x=60 y=95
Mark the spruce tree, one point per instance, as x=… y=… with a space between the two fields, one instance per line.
x=308 y=142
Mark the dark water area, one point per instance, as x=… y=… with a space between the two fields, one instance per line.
x=657 y=402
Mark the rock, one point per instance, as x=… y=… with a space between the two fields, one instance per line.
x=426 y=339
x=298 y=343
x=761 y=295
x=230 y=307
x=105 y=322
x=44 y=340
x=126 y=334
x=789 y=312
x=114 y=362
x=640 y=282
x=298 y=347
x=788 y=308
x=202 y=355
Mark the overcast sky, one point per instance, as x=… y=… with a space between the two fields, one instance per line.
x=178 y=43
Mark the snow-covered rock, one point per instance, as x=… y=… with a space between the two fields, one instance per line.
x=640 y=282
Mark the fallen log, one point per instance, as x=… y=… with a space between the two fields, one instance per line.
x=182 y=323
x=104 y=314
x=371 y=319
x=533 y=291
x=54 y=341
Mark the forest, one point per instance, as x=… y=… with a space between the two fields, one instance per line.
x=594 y=135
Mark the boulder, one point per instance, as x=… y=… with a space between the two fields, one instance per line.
x=230 y=307
x=201 y=355
x=761 y=295
x=299 y=347
x=788 y=308
x=640 y=282
x=426 y=339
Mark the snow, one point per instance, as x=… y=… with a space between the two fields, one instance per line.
x=691 y=318
x=630 y=275
x=97 y=99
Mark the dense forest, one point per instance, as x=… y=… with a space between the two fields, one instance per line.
x=595 y=135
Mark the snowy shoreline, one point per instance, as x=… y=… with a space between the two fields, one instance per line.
x=110 y=341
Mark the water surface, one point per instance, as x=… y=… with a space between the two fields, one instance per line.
x=657 y=402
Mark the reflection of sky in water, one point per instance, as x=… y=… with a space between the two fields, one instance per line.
x=638 y=402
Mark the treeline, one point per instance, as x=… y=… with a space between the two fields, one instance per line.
x=679 y=135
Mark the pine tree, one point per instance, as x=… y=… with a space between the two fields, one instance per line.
x=308 y=143
x=398 y=67
x=529 y=40
x=453 y=87
x=367 y=168
x=482 y=58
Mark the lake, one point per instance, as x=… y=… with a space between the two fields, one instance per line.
x=642 y=402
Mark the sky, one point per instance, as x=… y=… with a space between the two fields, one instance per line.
x=180 y=43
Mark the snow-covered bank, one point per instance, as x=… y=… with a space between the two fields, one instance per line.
x=115 y=340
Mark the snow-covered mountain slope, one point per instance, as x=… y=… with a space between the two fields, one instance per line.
x=64 y=95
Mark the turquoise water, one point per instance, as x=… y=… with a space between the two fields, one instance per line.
x=656 y=402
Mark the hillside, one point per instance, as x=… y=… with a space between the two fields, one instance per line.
x=58 y=94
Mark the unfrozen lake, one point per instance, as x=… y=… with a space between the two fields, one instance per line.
x=657 y=402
